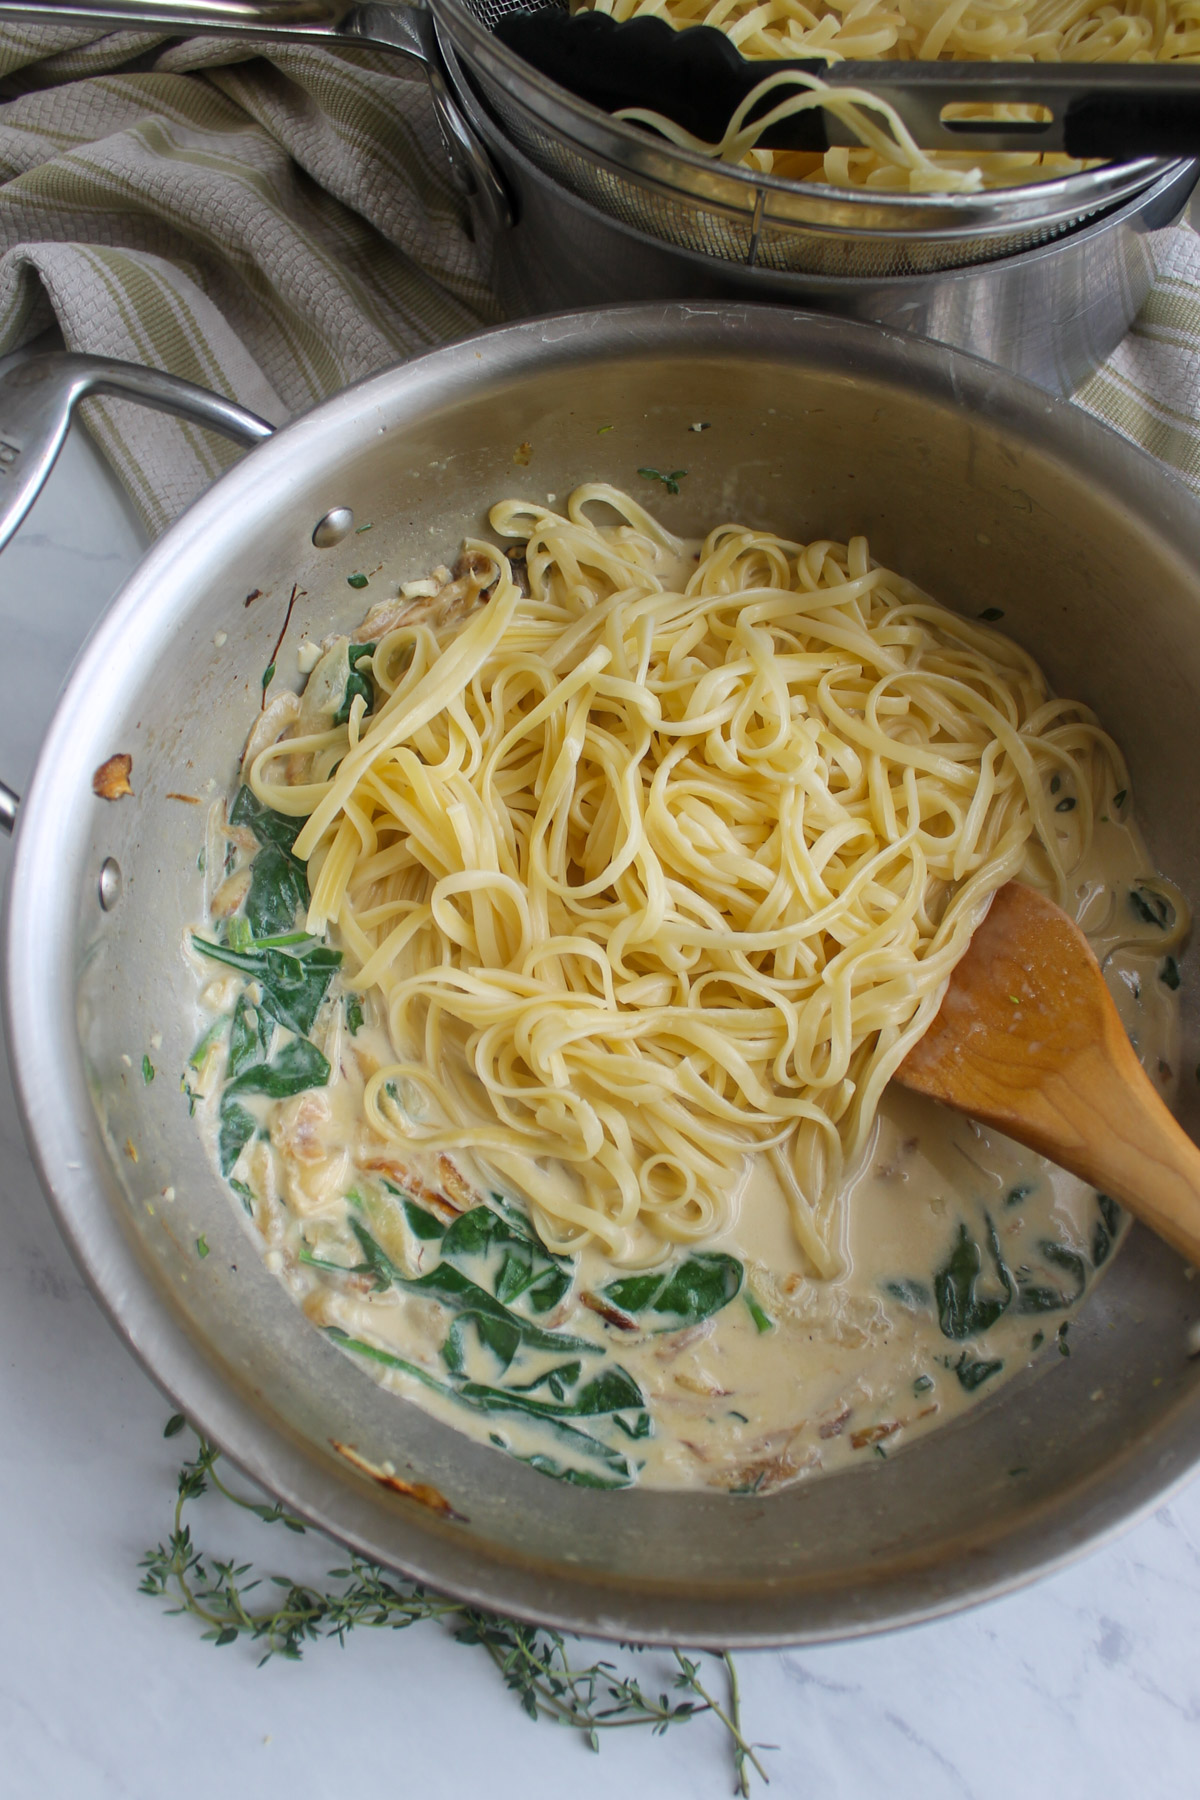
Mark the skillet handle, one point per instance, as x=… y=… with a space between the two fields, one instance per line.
x=37 y=398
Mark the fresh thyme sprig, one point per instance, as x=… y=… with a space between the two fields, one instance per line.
x=533 y=1661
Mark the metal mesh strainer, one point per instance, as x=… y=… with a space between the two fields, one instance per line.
x=737 y=215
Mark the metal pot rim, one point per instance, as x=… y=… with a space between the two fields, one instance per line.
x=39 y=999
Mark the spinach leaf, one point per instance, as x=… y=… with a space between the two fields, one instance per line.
x=558 y=1380
x=490 y=1400
x=421 y=1222
x=961 y=1314
x=973 y=1371
x=237 y=1127
x=526 y=1268
x=1035 y=1298
x=1110 y=1212
x=358 y=684
x=612 y=1391
x=278 y=889
x=268 y=827
x=249 y=1037
x=294 y=978
x=1152 y=907
x=1106 y=1228
x=692 y=1290
x=387 y=1359
x=503 y=1331
x=584 y=1478
x=298 y=1066
x=1071 y=1263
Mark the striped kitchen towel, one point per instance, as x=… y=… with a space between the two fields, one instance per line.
x=1149 y=389
x=270 y=226
x=276 y=221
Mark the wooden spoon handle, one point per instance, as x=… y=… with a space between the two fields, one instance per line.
x=1113 y=1129
x=1028 y=1040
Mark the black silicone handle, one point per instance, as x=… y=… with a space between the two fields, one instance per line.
x=696 y=77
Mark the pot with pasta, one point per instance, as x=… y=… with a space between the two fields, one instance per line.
x=556 y=781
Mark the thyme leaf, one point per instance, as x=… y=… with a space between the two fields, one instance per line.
x=283 y=1616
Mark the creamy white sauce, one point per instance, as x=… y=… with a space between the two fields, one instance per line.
x=965 y=1254
x=793 y=1376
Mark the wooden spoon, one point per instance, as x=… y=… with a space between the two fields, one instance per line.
x=1028 y=1040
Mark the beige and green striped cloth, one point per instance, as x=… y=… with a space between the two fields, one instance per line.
x=272 y=227
x=274 y=221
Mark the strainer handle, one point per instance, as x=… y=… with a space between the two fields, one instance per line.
x=407 y=30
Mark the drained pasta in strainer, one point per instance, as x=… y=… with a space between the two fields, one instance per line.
x=1142 y=31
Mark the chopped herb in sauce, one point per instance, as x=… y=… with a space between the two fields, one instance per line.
x=147 y=1070
x=670 y=481
x=244 y=1192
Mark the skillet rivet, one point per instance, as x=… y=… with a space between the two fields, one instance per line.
x=332 y=528
x=110 y=883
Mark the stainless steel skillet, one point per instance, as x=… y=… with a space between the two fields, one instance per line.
x=981 y=488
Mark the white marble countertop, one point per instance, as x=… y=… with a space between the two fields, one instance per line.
x=1086 y=1684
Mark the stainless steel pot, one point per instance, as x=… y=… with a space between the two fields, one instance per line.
x=1051 y=314
x=980 y=487
x=577 y=207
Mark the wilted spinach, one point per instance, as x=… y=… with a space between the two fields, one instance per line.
x=236 y=1128
x=1152 y=907
x=502 y=1330
x=973 y=1371
x=250 y=1037
x=483 y=1399
x=278 y=890
x=1041 y=1298
x=293 y=974
x=268 y=827
x=1107 y=1226
x=961 y=1313
x=684 y=1294
x=358 y=683
x=526 y=1267
x=298 y=1067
